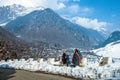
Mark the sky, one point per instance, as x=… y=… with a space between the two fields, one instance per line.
x=100 y=15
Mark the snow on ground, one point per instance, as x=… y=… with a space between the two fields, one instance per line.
x=3 y=24
x=110 y=50
x=29 y=10
x=92 y=70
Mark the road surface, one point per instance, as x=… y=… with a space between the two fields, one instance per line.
x=11 y=74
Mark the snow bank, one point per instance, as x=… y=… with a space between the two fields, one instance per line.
x=92 y=70
x=110 y=50
x=40 y=60
x=51 y=60
x=83 y=62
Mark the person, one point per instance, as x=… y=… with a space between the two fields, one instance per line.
x=6 y=55
x=64 y=58
x=67 y=60
x=80 y=55
x=75 y=59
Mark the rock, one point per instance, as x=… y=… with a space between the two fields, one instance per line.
x=105 y=60
x=51 y=60
x=40 y=60
x=83 y=62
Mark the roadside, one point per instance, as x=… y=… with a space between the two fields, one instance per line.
x=11 y=74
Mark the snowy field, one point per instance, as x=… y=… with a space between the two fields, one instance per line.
x=91 y=71
x=110 y=50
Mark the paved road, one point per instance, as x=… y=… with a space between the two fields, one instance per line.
x=11 y=74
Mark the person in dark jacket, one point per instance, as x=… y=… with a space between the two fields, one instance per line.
x=76 y=58
x=64 y=58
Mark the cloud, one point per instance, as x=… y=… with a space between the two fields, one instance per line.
x=79 y=9
x=53 y=4
x=61 y=5
x=90 y=23
x=26 y=3
x=74 y=10
x=69 y=0
x=86 y=9
x=58 y=5
x=76 y=0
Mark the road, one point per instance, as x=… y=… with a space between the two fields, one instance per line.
x=11 y=74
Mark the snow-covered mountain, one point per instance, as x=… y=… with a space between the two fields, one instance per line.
x=110 y=50
x=114 y=36
x=47 y=26
x=8 y=13
x=11 y=12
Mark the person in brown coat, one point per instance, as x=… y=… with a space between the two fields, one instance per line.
x=76 y=58
x=64 y=58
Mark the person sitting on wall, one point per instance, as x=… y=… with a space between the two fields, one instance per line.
x=76 y=58
x=64 y=58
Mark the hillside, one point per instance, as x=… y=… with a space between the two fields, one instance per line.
x=110 y=50
x=114 y=36
x=47 y=26
x=11 y=45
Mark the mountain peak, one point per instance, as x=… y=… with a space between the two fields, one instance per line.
x=11 y=12
x=48 y=9
x=114 y=36
x=47 y=26
x=116 y=32
x=8 y=13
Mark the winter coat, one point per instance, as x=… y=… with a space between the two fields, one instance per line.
x=75 y=59
x=64 y=58
x=67 y=59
